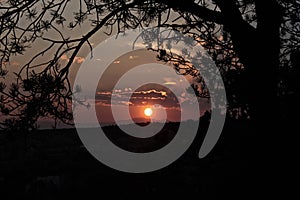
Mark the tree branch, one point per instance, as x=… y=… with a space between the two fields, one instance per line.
x=19 y=9
x=85 y=38
x=195 y=9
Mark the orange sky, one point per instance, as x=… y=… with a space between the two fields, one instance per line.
x=145 y=96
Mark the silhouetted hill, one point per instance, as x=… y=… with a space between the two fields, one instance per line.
x=56 y=165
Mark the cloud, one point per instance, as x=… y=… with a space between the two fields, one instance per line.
x=104 y=93
x=128 y=92
x=77 y=59
x=64 y=57
x=127 y=103
x=132 y=57
x=169 y=83
x=127 y=89
x=13 y=64
x=147 y=92
x=117 y=91
x=102 y=103
x=136 y=98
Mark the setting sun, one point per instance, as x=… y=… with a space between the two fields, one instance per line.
x=148 y=112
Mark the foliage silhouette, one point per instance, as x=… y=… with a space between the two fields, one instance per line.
x=251 y=41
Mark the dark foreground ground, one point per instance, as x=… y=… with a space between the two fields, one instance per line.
x=55 y=165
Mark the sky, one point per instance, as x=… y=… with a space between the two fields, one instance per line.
x=164 y=98
x=123 y=97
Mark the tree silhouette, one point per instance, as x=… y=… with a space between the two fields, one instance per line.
x=250 y=41
x=42 y=97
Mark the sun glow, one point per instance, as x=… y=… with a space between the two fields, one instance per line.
x=148 y=112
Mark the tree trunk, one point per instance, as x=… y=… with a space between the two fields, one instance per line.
x=266 y=105
x=259 y=50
